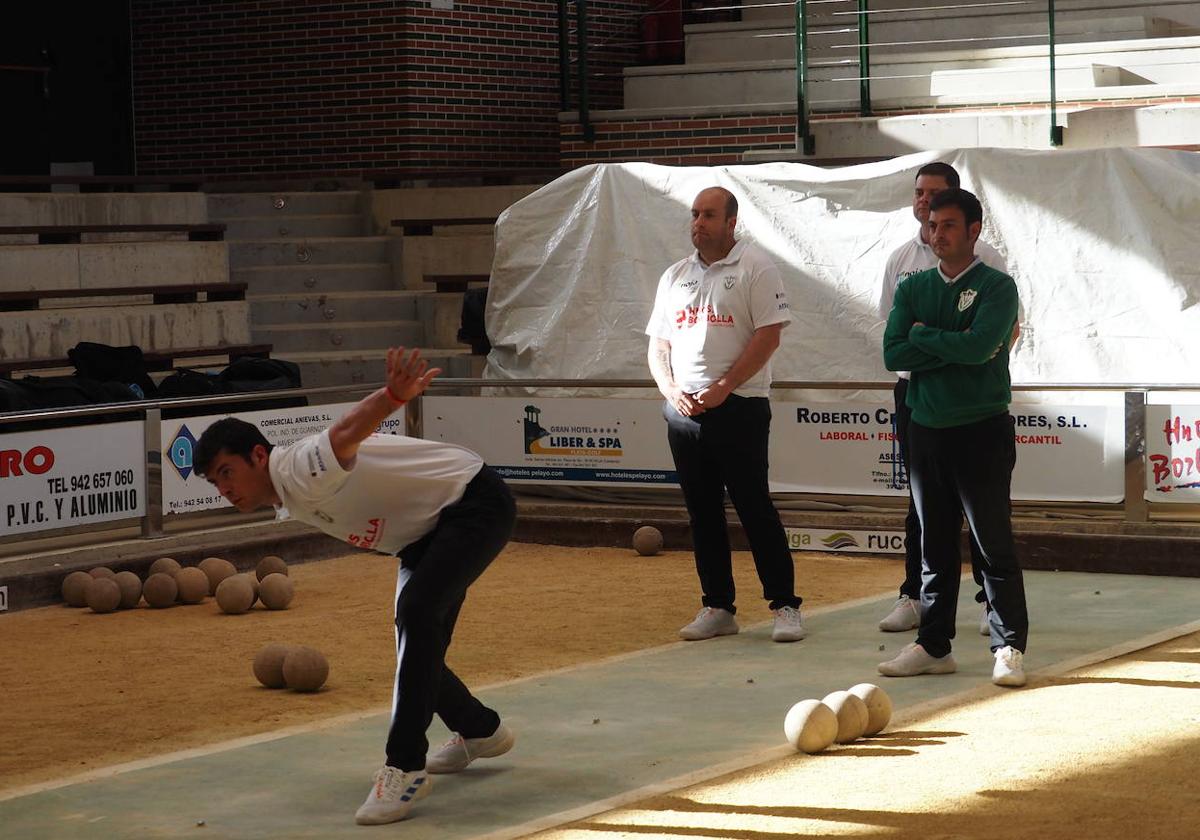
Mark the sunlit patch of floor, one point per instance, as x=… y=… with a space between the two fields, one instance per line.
x=1056 y=746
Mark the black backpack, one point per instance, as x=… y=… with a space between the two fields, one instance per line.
x=113 y=364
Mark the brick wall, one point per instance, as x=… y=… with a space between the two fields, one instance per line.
x=265 y=86
x=690 y=141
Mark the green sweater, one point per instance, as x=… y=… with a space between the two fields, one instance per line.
x=959 y=357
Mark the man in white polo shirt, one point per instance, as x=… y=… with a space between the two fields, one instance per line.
x=911 y=257
x=717 y=319
x=438 y=507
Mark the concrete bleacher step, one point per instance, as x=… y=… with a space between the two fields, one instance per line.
x=728 y=83
x=1138 y=68
x=783 y=14
x=334 y=307
x=1106 y=125
x=223 y=206
x=319 y=277
x=311 y=250
x=345 y=335
x=365 y=366
x=112 y=264
x=715 y=43
x=300 y=225
x=50 y=333
x=964 y=83
x=469 y=254
x=101 y=208
x=719 y=43
x=446 y=202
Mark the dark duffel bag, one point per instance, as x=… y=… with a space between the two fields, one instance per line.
x=113 y=364
x=251 y=373
x=35 y=392
x=185 y=382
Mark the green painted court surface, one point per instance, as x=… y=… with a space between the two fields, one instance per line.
x=588 y=734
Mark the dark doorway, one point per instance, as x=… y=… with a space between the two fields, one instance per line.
x=66 y=87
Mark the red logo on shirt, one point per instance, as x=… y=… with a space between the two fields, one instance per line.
x=689 y=316
x=368 y=539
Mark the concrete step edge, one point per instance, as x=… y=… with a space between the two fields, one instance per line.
x=367 y=355
x=318 y=240
x=283 y=193
x=335 y=326
x=352 y=266
x=294 y=217
x=368 y=294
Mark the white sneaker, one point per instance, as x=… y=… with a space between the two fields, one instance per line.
x=913 y=660
x=454 y=755
x=392 y=796
x=1009 y=669
x=905 y=615
x=788 y=625
x=984 y=628
x=709 y=622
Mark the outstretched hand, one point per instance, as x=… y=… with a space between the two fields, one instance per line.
x=408 y=375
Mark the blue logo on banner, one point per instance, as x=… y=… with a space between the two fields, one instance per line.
x=181 y=451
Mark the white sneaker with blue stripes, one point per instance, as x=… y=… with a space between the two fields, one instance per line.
x=392 y=796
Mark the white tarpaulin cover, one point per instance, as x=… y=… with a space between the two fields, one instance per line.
x=1104 y=245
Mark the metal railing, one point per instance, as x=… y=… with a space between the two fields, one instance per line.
x=1135 y=507
x=827 y=21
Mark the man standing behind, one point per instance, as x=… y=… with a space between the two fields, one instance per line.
x=911 y=257
x=717 y=319
x=951 y=326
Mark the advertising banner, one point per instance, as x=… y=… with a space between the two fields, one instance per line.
x=849 y=540
x=186 y=492
x=1064 y=452
x=1173 y=453
x=59 y=478
x=574 y=441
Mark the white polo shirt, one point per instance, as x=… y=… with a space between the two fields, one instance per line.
x=709 y=313
x=391 y=497
x=914 y=256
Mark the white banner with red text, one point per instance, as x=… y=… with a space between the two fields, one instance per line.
x=1069 y=452
x=1064 y=452
x=59 y=478
x=1173 y=453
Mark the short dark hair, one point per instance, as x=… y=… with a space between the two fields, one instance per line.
x=237 y=437
x=941 y=170
x=971 y=209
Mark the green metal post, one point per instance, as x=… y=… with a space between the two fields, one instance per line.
x=864 y=61
x=805 y=141
x=564 y=56
x=585 y=123
x=1056 y=132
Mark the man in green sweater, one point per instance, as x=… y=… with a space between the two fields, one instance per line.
x=951 y=326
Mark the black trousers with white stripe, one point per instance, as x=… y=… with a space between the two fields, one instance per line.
x=435 y=572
